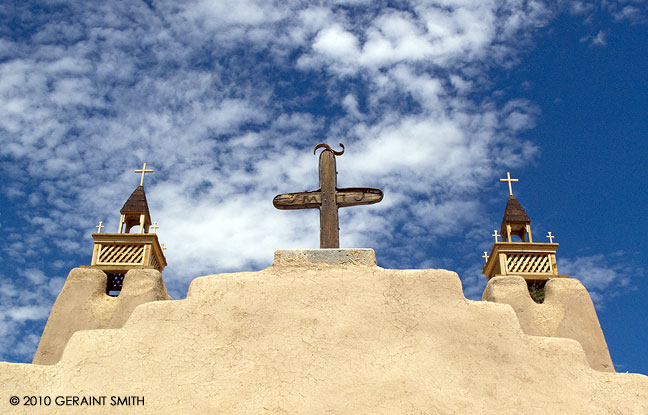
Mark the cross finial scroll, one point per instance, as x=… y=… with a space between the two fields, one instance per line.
x=99 y=227
x=143 y=171
x=509 y=180
x=328 y=198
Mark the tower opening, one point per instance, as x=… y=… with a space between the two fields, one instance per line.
x=114 y=283
x=537 y=290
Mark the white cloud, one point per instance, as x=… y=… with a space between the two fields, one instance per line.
x=599 y=39
x=26 y=345
x=392 y=38
x=8 y=289
x=437 y=33
x=28 y=313
x=242 y=12
x=350 y=103
x=225 y=101
x=604 y=276
x=595 y=40
x=473 y=281
x=580 y=7
x=630 y=13
x=35 y=276
x=337 y=43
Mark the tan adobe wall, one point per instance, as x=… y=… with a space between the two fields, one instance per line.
x=307 y=336
x=567 y=311
x=84 y=305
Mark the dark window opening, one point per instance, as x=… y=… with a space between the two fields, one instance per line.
x=537 y=290
x=114 y=283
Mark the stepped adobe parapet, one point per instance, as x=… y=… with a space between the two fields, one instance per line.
x=311 y=336
x=567 y=311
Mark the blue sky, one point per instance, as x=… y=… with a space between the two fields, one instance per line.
x=434 y=101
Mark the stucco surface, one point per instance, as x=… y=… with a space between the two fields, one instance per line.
x=567 y=311
x=315 y=338
x=83 y=305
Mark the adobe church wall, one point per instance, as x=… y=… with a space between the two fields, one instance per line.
x=567 y=311
x=84 y=305
x=310 y=336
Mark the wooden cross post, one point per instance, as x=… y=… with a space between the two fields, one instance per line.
x=155 y=227
x=99 y=227
x=328 y=198
x=496 y=235
x=143 y=171
x=485 y=256
x=550 y=236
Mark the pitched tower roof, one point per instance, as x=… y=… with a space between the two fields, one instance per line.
x=515 y=221
x=136 y=203
x=136 y=212
x=514 y=212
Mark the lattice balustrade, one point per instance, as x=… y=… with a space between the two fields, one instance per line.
x=528 y=263
x=121 y=254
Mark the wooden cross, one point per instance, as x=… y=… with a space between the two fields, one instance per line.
x=143 y=171
x=328 y=198
x=550 y=236
x=496 y=235
x=509 y=180
x=485 y=256
x=99 y=227
x=154 y=226
x=163 y=247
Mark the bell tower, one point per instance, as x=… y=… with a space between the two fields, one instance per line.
x=533 y=261
x=116 y=253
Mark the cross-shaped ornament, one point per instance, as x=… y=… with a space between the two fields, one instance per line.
x=328 y=198
x=550 y=236
x=163 y=247
x=485 y=256
x=143 y=171
x=509 y=180
x=496 y=235
x=99 y=227
x=154 y=227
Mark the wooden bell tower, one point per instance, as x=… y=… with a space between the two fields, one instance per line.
x=116 y=253
x=532 y=261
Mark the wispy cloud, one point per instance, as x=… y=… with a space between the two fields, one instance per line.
x=597 y=40
x=225 y=102
x=604 y=276
x=632 y=13
x=111 y=94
